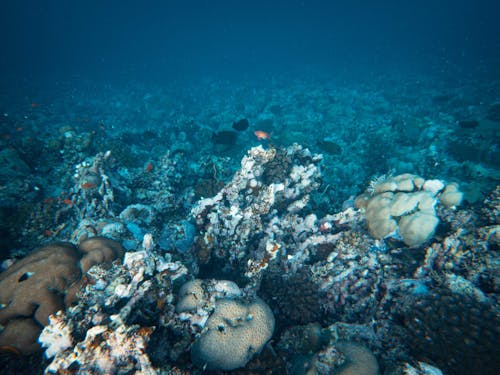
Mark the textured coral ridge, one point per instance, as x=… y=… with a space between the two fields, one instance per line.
x=366 y=305
x=44 y=282
x=264 y=196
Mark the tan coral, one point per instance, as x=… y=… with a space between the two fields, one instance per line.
x=358 y=360
x=97 y=250
x=21 y=335
x=234 y=333
x=404 y=206
x=43 y=283
x=34 y=286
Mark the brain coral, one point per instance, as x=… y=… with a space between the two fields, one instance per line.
x=358 y=360
x=234 y=333
x=43 y=283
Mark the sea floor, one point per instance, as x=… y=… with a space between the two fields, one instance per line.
x=162 y=168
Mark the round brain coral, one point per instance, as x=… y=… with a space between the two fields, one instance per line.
x=190 y=296
x=358 y=360
x=234 y=333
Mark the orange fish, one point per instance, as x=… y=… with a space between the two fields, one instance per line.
x=35 y=105
x=68 y=201
x=149 y=167
x=262 y=135
x=88 y=185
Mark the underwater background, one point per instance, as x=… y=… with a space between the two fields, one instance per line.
x=249 y=187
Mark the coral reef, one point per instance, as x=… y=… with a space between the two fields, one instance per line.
x=104 y=350
x=313 y=350
x=457 y=312
x=401 y=280
x=356 y=360
x=198 y=298
x=116 y=316
x=43 y=283
x=295 y=298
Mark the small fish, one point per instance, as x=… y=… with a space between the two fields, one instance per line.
x=330 y=147
x=88 y=185
x=262 y=135
x=241 y=125
x=35 y=105
x=468 y=124
x=149 y=167
x=68 y=201
x=25 y=276
x=224 y=137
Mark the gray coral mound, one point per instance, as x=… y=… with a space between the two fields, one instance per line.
x=234 y=333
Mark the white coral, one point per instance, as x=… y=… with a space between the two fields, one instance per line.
x=56 y=336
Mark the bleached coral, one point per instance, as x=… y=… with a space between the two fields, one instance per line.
x=105 y=316
x=56 y=336
x=265 y=196
x=404 y=206
x=107 y=351
x=197 y=299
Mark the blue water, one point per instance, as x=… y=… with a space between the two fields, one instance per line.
x=119 y=41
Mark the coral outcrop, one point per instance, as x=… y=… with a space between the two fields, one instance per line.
x=43 y=283
x=117 y=314
x=244 y=224
x=404 y=206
